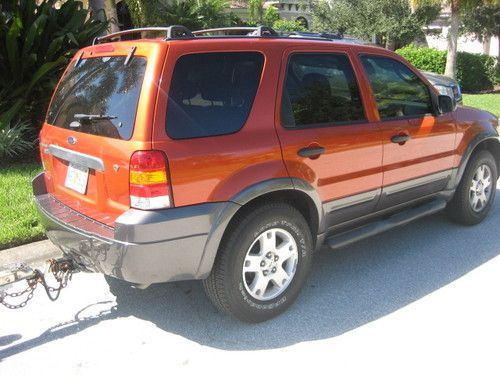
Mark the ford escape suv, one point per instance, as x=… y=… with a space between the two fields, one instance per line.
x=230 y=155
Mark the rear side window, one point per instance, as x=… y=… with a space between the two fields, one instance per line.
x=212 y=93
x=102 y=86
x=398 y=91
x=320 y=89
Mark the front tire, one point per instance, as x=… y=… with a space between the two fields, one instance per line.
x=476 y=192
x=262 y=264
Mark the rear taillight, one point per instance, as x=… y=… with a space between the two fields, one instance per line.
x=149 y=185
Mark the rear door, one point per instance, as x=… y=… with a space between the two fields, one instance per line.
x=418 y=145
x=100 y=114
x=328 y=135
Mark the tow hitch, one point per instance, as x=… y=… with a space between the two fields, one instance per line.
x=61 y=270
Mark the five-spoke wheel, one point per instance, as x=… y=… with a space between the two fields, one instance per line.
x=270 y=264
x=480 y=188
x=476 y=192
x=262 y=264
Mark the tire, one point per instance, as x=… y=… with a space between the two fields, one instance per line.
x=237 y=284
x=462 y=209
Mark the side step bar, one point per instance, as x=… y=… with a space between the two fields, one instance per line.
x=401 y=218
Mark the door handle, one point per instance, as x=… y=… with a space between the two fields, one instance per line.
x=400 y=138
x=311 y=152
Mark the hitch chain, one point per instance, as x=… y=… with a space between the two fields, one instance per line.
x=62 y=272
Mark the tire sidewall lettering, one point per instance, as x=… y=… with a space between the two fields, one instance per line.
x=303 y=252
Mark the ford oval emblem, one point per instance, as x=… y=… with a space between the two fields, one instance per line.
x=71 y=140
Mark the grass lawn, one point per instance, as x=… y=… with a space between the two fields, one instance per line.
x=489 y=102
x=18 y=218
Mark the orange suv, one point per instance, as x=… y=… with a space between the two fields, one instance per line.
x=230 y=155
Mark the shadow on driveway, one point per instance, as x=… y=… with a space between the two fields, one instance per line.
x=347 y=288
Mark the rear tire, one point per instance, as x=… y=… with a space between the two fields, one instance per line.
x=262 y=264
x=476 y=192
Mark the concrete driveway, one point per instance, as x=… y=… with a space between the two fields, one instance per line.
x=424 y=298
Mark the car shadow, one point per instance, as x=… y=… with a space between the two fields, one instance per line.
x=347 y=288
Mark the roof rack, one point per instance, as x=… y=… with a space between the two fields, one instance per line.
x=259 y=31
x=172 y=32
x=179 y=32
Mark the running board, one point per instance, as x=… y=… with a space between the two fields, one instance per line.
x=401 y=218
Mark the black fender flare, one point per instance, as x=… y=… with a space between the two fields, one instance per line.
x=476 y=142
x=230 y=208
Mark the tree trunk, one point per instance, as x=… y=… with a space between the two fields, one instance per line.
x=390 y=43
x=451 y=57
x=111 y=15
x=97 y=8
x=486 y=45
x=105 y=10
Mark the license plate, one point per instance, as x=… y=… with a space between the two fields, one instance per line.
x=76 y=178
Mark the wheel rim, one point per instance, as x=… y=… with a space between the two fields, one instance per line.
x=270 y=264
x=480 y=188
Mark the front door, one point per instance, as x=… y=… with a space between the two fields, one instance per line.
x=418 y=145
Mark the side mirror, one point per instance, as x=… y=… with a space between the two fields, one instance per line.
x=445 y=104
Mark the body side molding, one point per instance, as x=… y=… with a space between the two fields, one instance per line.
x=351 y=200
x=416 y=182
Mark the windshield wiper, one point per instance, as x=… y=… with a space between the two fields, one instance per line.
x=86 y=117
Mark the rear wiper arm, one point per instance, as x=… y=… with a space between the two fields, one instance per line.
x=85 y=117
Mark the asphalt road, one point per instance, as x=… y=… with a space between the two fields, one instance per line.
x=419 y=299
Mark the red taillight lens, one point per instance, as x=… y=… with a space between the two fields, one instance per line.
x=149 y=185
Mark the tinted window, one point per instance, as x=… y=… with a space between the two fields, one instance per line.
x=398 y=91
x=100 y=86
x=212 y=93
x=320 y=89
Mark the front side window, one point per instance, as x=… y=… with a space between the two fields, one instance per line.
x=100 y=86
x=320 y=89
x=212 y=93
x=398 y=91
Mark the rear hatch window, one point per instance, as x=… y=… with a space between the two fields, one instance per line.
x=99 y=96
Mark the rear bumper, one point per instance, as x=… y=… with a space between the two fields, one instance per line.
x=144 y=246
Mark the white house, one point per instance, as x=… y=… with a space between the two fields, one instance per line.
x=437 y=31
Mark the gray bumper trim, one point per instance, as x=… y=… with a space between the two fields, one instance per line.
x=147 y=246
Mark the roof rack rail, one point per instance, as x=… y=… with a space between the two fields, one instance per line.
x=259 y=31
x=172 y=32
x=312 y=35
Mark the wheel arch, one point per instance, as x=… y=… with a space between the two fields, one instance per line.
x=481 y=142
x=296 y=192
x=493 y=146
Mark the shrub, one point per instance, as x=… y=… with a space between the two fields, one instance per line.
x=428 y=59
x=12 y=139
x=194 y=14
x=36 y=42
x=271 y=15
x=497 y=72
x=475 y=72
x=288 y=25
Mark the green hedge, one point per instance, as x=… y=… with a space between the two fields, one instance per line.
x=475 y=72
